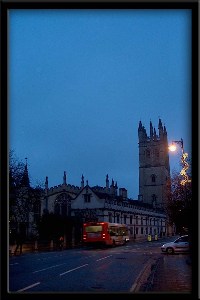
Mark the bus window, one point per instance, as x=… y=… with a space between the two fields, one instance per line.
x=96 y=228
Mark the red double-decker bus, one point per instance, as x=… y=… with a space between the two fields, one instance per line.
x=106 y=233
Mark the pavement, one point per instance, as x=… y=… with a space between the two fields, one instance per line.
x=169 y=274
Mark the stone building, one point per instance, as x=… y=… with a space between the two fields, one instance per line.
x=96 y=204
x=154 y=169
x=143 y=216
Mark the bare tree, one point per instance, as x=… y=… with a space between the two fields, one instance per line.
x=179 y=206
x=24 y=200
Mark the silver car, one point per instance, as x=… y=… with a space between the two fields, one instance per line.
x=180 y=245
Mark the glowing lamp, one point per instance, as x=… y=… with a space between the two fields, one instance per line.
x=172 y=147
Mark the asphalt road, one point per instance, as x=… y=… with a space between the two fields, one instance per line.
x=84 y=270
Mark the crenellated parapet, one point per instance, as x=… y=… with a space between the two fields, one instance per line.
x=153 y=136
x=64 y=188
x=98 y=188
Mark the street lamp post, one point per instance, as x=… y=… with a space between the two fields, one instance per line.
x=185 y=179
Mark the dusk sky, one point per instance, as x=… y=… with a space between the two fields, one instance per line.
x=81 y=80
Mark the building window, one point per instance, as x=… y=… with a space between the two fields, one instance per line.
x=156 y=153
x=118 y=218
x=57 y=209
x=131 y=219
x=136 y=230
x=63 y=210
x=148 y=153
x=87 y=198
x=136 y=220
x=154 y=202
x=36 y=210
x=110 y=217
x=140 y=197
x=125 y=219
x=141 y=230
x=141 y=220
x=62 y=204
x=153 y=178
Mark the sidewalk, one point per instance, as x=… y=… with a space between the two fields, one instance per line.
x=170 y=274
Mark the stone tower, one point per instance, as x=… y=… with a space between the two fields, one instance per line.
x=154 y=169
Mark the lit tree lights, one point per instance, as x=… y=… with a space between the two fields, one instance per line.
x=184 y=163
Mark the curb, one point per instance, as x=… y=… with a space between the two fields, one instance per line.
x=145 y=275
x=148 y=285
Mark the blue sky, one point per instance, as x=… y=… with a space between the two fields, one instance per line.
x=81 y=80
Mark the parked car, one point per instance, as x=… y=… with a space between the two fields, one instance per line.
x=180 y=245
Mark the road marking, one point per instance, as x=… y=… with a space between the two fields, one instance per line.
x=49 y=268
x=28 y=287
x=103 y=258
x=73 y=270
x=14 y=264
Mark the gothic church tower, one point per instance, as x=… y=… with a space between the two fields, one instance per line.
x=154 y=169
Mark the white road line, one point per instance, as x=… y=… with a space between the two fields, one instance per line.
x=14 y=264
x=49 y=268
x=28 y=287
x=103 y=258
x=73 y=270
x=133 y=287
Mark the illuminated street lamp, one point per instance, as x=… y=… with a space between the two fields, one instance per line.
x=184 y=156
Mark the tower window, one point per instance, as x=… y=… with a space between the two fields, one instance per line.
x=148 y=153
x=154 y=200
x=153 y=178
x=156 y=153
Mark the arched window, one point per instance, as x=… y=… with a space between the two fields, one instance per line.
x=36 y=210
x=62 y=204
x=57 y=208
